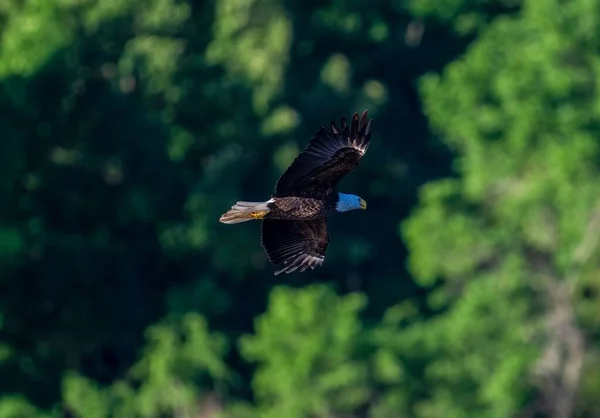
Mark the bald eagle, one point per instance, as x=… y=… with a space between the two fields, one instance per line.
x=294 y=221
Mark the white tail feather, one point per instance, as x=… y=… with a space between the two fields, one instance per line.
x=245 y=211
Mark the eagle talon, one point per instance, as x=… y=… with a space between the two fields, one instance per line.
x=259 y=214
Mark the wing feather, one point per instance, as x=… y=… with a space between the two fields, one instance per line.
x=295 y=245
x=329 y=156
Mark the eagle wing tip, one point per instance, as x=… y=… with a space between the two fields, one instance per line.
x=301 y=263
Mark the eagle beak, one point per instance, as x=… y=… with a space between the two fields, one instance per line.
x=363 y=204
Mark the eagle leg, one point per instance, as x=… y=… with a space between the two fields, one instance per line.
x=258 y=214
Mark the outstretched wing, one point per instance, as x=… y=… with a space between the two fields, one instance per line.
x=295 y=244
x=329 y=156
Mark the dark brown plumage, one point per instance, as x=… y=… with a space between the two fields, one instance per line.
x=329 y=156
x=304 y=208
x=295 y=244
x=294 y=221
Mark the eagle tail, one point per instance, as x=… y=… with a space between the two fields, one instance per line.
x=245 y=211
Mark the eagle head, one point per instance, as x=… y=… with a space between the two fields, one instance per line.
x=348 y=202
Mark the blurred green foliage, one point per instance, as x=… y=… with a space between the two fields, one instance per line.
x=468 y=288
x=177 y=360
x=321 y=332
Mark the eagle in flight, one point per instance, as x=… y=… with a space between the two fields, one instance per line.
x=294 y=221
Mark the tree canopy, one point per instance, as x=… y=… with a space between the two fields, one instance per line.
x=469 y=287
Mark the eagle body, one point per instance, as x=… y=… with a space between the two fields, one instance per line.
x=301 y=208
x=294 y=220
